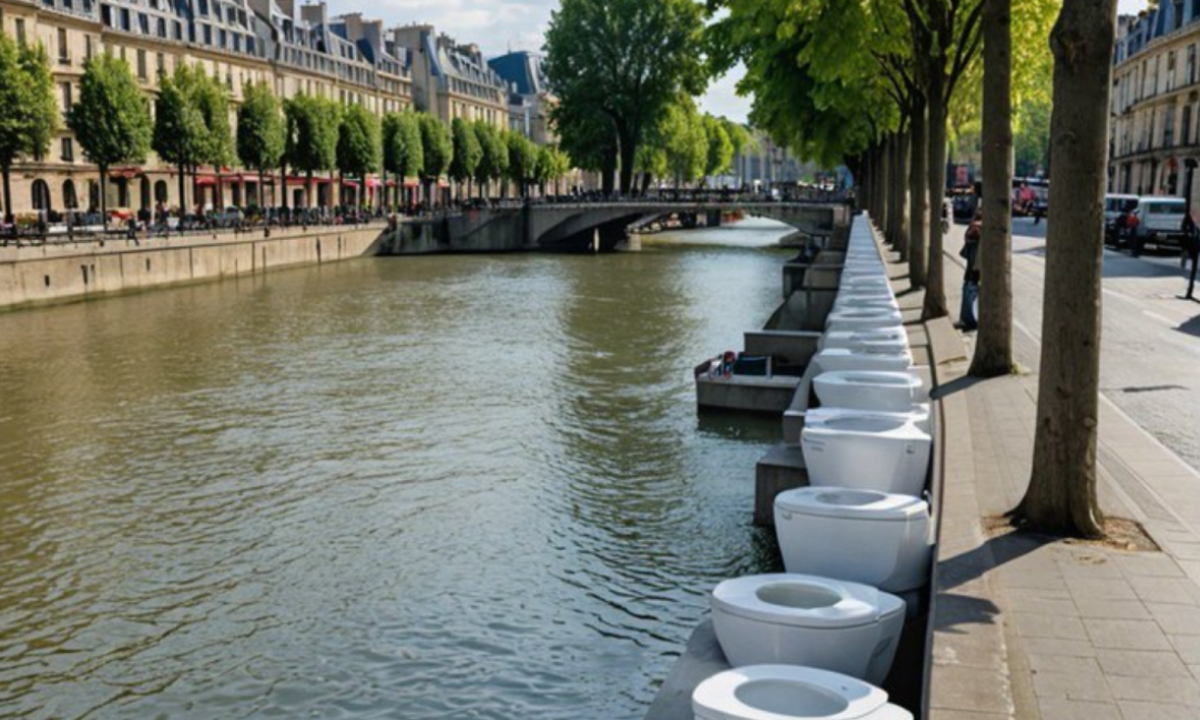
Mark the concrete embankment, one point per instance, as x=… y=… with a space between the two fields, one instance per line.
x=32 y=275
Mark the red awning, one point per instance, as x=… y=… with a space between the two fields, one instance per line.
x=373 y=182
x=127 y=173
x=206 y=181
x=391 y=183
x=294 y=180
x=350 y=183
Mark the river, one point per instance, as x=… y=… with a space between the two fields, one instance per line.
x=424 y=487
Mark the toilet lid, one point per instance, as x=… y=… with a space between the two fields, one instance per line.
x=785 y=692
x=798 y=600
x=852 y=504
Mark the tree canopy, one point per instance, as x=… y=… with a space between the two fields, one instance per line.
x=623 y=62
x=29 y=115
x=467 y=150
x=358 y=145
x=437 y=147
x=493 y=158
x=260 y=129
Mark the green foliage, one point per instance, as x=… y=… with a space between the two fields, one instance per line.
x=739 y=137
x=720 y=149
x=358 y=145
x=178 y=125
x=402 y=152
x=437 y=147
x=467 y=150
x=311 y=133
x=552 y=164
x=212 y=100
x=29 y=116
x=493 y=160
x=685 y=141
x=111 y=121
x=522 y=160
x=260 y=128
x=616 y=65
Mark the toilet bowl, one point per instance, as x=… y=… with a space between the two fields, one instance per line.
x=893 y=338
x=918 y=414
x=794 y=619
x=868 y=390
x=867 y=358
x=863 y=318
x=875 y=538
x=852 y=300
x=866 y=452
x=864 y=282
x=790 y=692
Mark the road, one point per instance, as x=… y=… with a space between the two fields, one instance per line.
x=1150 y=347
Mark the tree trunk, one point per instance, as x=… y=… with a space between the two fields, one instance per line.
x=104 y=196
x=1062 y=488
x=900 y=195
x=935 y=285
x=308 y=189
x=283 y=184
x=993 y=348
x=885 y=187
x=607 y=170
x=262 y=191
x=627 y=150
x=918 y=214
x=8 y=213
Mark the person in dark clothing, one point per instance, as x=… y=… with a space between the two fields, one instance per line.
x=1191 y=251
x=970 y=290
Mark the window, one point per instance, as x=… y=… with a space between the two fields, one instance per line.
x=65 y=90
x=162 y=27
x=207 y=35
x=1170 y=70
x=178 y=30
x=1186 y=125
x=1169 y=128
x=160 y=64
x=144 y=23
x=125 y=23
x=20 y=26
x=87 y=47
x=68 y=150
x=203 y=7
x=141 y=64
x=221 y=38
x=64 y=48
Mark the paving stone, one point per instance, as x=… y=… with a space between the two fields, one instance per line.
x=1188 y=647
x=1093 y=565
x=963 y=688
x=1056 y=607
x=1045 y=626
x=1176 y=619
x=1072 y=686
x=1107 y=589
x=1142 y=710
x=1062 y=663
x=1038 y=581
x=1165 y=590
x=947 y=714
x=1048 y=646
x=1182 y=691
x=1126 y=634
x=1184 y=550
x=1060 y=709
x=1113 y=609
x=1141 y=663
x=1148 y=564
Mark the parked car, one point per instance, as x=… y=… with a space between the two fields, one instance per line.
x=1155 y=221
x=1116 y=208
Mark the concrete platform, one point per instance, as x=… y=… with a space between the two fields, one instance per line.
x=746 y=393
x=782 y=468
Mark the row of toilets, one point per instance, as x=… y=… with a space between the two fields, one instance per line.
x=817 y=640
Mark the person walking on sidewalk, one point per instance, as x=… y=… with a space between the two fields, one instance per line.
x=970 y=290
x=1191 y=251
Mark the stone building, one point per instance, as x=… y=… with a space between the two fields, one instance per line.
x=452 y=80
x=1155 y=104
x=294 y=49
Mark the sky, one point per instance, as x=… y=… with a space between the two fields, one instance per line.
x=498 y=26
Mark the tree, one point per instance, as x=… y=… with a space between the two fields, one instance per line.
x=993 y=348
x=212 y=101
x=686 y=142
x=552 y=164
x=624 y=61
x=401 y=146
x=467 y=151
x=720 y=149
x=437 y=148
x=311 y=136
x=1062 y=488
x=260 y=132
x=493 y=159
x=358 y=146
x=111 y=119
x=522 y=161
x=178 y=126
x=29 y=116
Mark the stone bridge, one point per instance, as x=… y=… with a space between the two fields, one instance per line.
x=583 y=227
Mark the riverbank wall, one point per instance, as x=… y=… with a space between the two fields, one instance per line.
x=42 y=274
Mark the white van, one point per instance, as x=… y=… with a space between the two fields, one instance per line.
x=1159 y=223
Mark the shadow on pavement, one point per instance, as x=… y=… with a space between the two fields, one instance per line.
x=954 y=609
x=1191 y=327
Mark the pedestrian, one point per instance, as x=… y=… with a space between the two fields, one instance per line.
x=1191 y=250
x=970 y=289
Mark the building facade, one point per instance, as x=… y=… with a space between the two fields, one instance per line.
x=452 y=80
x=1155 y=103
x=294 y=49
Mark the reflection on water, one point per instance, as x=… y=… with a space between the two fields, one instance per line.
x=412 y=487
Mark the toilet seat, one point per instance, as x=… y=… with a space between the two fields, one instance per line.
x=779 y=599
x=865 y=358
x=878 y=390
x=918 y=414
x=790 y=692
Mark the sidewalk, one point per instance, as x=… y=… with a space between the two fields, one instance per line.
x=1024 y=628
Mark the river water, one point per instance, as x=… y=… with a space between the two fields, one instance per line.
x=436 y=487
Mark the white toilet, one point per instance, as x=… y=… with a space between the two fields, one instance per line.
x=790 y=692
x=795 y=619
x=850 y=319
x=866 y=452
x=864 y=282
x=855 y=301
x=893 y=338
x=869 y=358
x=875 y=538
x=869 y=390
